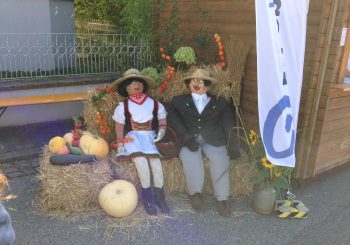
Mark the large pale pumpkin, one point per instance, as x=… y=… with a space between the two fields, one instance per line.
x=119 y=198
x=94 y=145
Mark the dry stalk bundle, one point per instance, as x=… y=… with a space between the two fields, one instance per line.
x=236 y=55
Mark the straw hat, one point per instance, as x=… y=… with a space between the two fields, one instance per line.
x=200 y=74
x=132 y=73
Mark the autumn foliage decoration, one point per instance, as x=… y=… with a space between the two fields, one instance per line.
x=169 y=72
x=101 y=120
x=221 y=50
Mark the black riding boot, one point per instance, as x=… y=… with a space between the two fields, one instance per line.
x=148 y=201
x=160 y=200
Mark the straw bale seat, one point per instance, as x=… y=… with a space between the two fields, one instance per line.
x=75 y=188
x=174 y=178
x=71 y=188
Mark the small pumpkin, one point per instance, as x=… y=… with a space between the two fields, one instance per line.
x=56 y=143
x=69 y=136
x=118 y=198
x=94 y=145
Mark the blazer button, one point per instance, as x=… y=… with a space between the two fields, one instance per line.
x=199 y=120
x=199 y=127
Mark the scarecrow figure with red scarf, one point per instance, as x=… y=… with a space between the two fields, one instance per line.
x=140 y=121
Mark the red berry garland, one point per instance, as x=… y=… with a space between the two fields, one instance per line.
x=169 y=71
x=221 y=50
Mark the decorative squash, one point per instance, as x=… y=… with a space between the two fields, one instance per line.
x=94 y=145
x=85 y=141
x=68 y=137
x=63 y=151
x=119 y=198
x=56 y=143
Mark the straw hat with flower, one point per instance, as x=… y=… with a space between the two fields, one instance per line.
x=132 y=73
x=200 y=74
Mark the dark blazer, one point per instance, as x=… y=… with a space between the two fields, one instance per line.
x=214 y=123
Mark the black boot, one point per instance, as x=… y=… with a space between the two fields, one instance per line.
x=160 y=200
x=148 y=201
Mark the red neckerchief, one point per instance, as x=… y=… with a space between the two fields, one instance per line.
x=138 y=98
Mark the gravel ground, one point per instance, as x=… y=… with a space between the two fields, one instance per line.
x=327 y=223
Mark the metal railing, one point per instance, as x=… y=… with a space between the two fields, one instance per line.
x=28 y=55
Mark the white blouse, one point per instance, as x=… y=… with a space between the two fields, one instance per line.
x=139 y=113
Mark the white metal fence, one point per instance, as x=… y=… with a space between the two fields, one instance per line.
x=62 y=54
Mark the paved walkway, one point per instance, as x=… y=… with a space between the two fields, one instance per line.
x=327 y=223
x=21 y=145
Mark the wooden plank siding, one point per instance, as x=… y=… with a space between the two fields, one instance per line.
x=318 y=153
x=237 y=18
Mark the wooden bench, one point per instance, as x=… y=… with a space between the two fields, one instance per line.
x=41 y=99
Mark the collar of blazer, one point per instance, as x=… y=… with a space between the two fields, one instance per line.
x=208 y=108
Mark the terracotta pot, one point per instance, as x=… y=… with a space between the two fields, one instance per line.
x=264 y=199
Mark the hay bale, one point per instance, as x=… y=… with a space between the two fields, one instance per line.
x=73 y=188
x=105 y=104
x=174 y=178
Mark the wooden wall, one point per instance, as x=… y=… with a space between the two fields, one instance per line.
x=321 y=65
x=334 y=147
x=326 y=19
x=234 y=18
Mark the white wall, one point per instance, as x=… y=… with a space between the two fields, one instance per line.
x=24 y=16
x=21 y=51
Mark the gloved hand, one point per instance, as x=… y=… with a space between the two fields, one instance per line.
x=160 y=135
x=191 y=144
x=121 y=148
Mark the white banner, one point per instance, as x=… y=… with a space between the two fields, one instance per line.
x=280 y=35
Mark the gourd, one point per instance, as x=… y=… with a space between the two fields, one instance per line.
x=69 y=136
x=94 y=145
x=56 y=143
x=118 y=198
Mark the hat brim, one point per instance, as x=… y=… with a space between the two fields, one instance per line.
x=118 y=82
x=211 y=79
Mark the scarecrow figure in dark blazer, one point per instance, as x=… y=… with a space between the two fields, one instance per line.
x=204 y=123
x=140 y=121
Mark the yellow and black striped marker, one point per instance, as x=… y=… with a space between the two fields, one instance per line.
x=291 y=209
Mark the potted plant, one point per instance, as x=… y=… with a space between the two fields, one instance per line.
x=270 y=180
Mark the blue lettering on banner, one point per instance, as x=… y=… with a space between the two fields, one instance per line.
x=270 y=125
